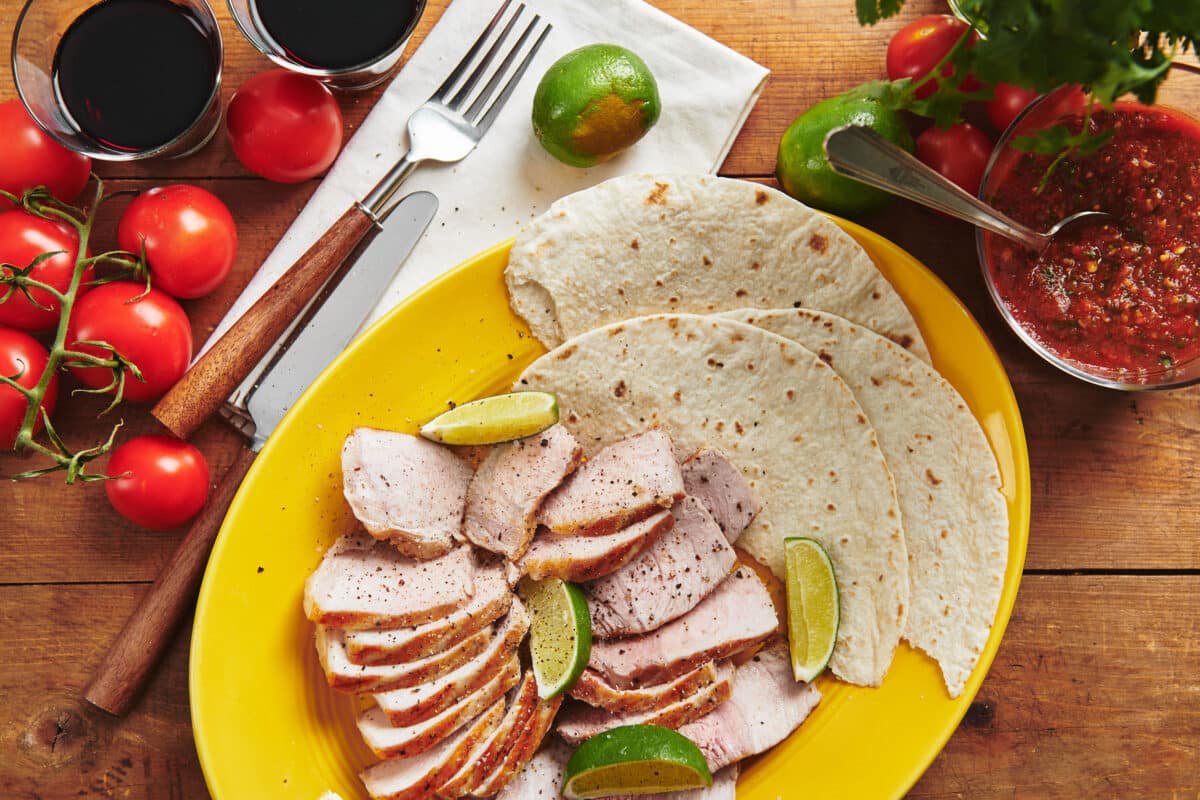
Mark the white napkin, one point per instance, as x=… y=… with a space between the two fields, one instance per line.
x=707 y=91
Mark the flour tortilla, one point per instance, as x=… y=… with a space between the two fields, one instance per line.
x=649 y=244
x=785 y=419
x=954 y=516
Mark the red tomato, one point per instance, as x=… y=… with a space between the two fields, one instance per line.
x=1008 y=102
x=24 y=237
x=189 y=235
x=960 y=152
x=21 y=353
x=284 y=127
x=162 y=483
x=152 y=333
x=31 y=158
x=917 y=48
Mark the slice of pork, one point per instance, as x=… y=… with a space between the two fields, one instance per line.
x=666 y=580
x=581 y=722
x=504 y=496
x=389 y=741
x=766 y=706
x=584 y=558
x=491 y=751
x=362 y=583
x=542 y=778
x=348 y=677
x=521 y=748
x=720 y=486
x=405 y=489
x=624 y=482
x=593 y=689
x=416 y=778
x=410 y=705
x=491 y=601
x=736 y=616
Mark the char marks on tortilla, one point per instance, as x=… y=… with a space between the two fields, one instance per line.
x=785 y=419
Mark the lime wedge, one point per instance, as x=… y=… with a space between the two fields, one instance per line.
x=635 y=759
x=813 y=613
x=500 y=418
x=560 y=633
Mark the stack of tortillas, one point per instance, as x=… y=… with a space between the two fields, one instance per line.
x=735 y=317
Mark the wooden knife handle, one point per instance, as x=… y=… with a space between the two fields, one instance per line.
x=145 y=637
x=218 y=372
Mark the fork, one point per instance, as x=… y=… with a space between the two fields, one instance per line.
x=445 y=128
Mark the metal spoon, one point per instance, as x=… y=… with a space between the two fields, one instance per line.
x=862 y=154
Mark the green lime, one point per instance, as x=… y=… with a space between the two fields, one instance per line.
x=560 y=633
x=500 y=418
x=635 y=759
x=812 y=600
x=593 y=103
x=804 y=172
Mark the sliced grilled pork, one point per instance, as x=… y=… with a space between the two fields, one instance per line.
x=348 y=677
x=720 y=486
x=490 y=752
x=624 y=482
x=521 y=748
x=736 y=616
x=389 y=741
x=504 y=495
x=361 y=583
x=584 y=558
x=581 y=722
x=666 y=580
x=416 y=778
x=593 y=689
x=766 y=706
x=542 y=778
x=408 y=706
x=405 y=489
x=491 y=601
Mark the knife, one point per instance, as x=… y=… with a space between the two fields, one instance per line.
x=256 y=409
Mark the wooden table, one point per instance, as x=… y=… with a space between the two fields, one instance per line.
x=1096 y=688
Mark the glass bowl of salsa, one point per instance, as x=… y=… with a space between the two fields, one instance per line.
x=1115 y=303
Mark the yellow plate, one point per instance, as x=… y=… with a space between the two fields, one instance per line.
x=266 y=725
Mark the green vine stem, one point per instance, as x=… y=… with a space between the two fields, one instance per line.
x=18 y=279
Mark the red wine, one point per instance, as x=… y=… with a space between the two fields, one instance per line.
x=135 y=74
x=337 y=34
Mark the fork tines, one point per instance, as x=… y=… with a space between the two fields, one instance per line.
x=487 y=101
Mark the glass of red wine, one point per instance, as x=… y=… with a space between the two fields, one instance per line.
x=120 y=80
x=348 y=44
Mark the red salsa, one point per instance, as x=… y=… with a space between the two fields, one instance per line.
x=1120 y=296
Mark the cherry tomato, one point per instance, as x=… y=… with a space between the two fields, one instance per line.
x=21 y=353
x=30 y=158
x=284 y=127
x=152 y=333
x=1007 y=103
x=917 y=48
x=189 y=235
x=960 y=152
x=162 y=483
x=24 y=237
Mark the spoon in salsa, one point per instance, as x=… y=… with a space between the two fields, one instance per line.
x=862 y=154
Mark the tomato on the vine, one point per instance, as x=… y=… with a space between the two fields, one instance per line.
x=960 y=153
x=158 y=482
x=918 y=47
x=23 y=238
x=1007 y=103
x=30 y=158
x=21 y=357
x=189 y=236
x=284 y=126
x=150 y=331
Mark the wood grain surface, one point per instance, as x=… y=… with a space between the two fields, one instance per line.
x=1095 y=691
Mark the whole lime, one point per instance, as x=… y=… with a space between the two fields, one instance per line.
x=804 y=172
x=593 y=103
